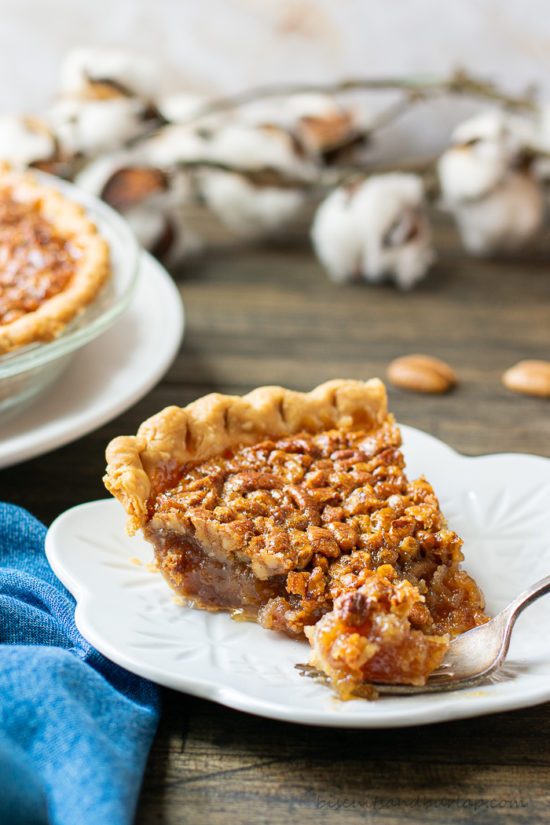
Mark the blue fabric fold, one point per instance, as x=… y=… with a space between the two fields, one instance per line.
x=75 y=729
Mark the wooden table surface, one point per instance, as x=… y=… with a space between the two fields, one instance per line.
x=257 y=316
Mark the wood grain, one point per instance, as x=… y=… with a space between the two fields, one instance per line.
x=214 y=765
x=260 y=316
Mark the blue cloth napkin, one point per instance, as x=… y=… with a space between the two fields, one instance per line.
x=75 y=729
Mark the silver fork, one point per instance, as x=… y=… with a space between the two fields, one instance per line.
x=477 y=653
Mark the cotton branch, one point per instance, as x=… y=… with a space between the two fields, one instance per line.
x=459 y=83
x=321 y=179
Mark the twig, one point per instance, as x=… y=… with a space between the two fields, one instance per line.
x=268 y=176
x=260 y=176
x=418 y=88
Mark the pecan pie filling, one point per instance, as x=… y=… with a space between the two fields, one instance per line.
x=289 y=530
x=294 y=510
x=53 y=260
x=35 y=262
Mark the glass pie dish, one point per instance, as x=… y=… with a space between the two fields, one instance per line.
x=27 y=371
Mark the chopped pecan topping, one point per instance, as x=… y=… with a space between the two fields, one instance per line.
x=352 y=608
x=314 y=516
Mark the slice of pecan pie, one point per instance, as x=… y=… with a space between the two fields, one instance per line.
x=53 y=262
x=294 y=510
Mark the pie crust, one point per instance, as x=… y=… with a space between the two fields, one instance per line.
x=216 y=422
x=294 y=510
x=53 y=262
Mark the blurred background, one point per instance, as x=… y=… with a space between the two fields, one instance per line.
x=228 y=45
x=124 y=100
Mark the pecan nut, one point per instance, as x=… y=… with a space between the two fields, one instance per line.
x=529 y=377
x=422 y=373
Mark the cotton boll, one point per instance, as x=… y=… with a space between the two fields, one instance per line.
x=163 y=233
x=25 y=140
x=312 y=104
x=390 y=211
x=234 y=145
x=318 y=122
x=541 y=144
x=405 y=252
x=184 y=108
x=94 y=176
x=175 y=144
x=131 y=74
x=326 y=137
x=484 y=148
x=494 y=199
x=92 y=127
x=128 y=186
x=541 y=130
x=246 y=147
x=287 y=111
x=124 y=182
x=179 y=108
x=321 y=124
x=270 y=110
x=148 y=198
x=506 y=219
x=376 y=229
x=337 y=241
x=511 y=131
x=179 y=243
x=468 y=172
x=249 y=211
x=147 y=223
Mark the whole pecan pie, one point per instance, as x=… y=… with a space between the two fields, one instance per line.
x=53 y=262
x=294 y=510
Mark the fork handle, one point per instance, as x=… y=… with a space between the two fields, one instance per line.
x=507 y=617
x=528 y=596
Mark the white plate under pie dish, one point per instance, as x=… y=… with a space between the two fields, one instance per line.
x=499 y=504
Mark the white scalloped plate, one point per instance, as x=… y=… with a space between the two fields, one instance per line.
x=499 y=504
